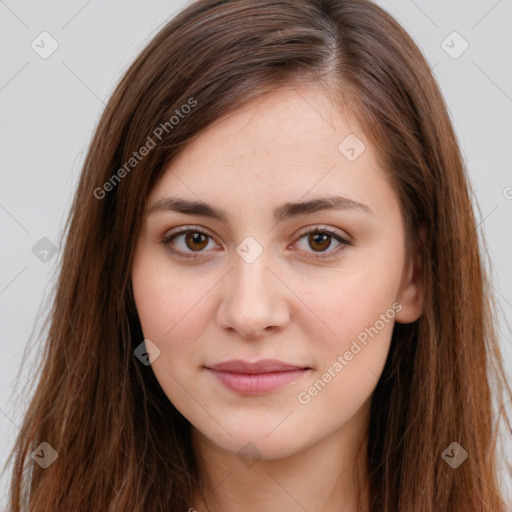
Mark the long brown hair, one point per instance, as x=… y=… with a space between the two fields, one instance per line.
x=121 y=444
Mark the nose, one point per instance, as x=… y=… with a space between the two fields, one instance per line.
x=254 y=302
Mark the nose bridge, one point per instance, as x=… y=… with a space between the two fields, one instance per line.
x=250 y=274
x=251 y=300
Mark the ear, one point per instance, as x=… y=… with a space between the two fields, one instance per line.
x=412 y=289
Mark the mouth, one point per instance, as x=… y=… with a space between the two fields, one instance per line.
x=257 y=378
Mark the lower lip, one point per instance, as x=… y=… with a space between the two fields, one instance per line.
x=258 y=383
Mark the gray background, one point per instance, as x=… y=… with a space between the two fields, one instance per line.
x=50 y=107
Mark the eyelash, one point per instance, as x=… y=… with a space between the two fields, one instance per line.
x=166 y=241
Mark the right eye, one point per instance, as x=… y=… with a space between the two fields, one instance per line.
x=190 y=240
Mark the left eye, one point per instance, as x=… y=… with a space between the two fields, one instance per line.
x=321 y=239
x=192 y=242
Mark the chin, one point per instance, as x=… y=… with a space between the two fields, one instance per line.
x=255 y=442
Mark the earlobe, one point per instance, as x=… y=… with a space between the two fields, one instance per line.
x=412 y=290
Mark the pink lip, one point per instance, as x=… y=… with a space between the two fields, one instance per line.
x=256 y=378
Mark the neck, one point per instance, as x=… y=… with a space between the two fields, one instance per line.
x=329 y=476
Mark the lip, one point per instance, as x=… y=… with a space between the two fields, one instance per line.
x=262 y=366
x=256 y=378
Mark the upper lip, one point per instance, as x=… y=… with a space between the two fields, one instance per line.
x=262 y=366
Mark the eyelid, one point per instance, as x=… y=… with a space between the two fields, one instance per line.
x=189 y=227
x=323 y=228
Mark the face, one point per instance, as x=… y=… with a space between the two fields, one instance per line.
x=254 y=276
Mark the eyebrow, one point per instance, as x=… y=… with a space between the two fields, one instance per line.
x=281 y=213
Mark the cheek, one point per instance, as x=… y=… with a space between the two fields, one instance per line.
x=351 y=361
x=170 y=315
x=354 y=304
x=360 y=309
x=164 y=301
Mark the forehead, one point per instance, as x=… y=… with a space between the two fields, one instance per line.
x=302 y=120
x=283 y=146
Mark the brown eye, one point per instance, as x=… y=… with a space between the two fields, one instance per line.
x=188 y=243
x=319 y=241
x=193 y=243
x=196 y=241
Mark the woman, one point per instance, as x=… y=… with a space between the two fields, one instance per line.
x=272 y=295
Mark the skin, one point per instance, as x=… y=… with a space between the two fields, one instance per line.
x=281 y=148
